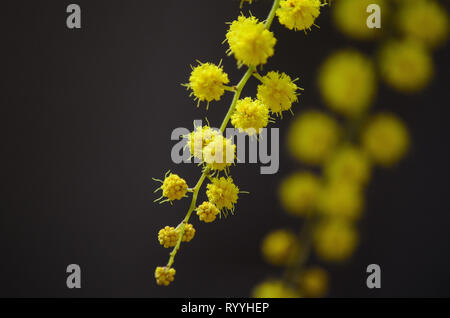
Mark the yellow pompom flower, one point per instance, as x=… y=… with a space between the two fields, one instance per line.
x=279 y=247
x=220 y=153
x=274 y=289
x=277 y=91
x=250 y=116
x=164 y=276
x=189 y=233
x=335 y=240
x=350 y=17
x=347 y=82
x=342 y=200
x=173 y=187
x=406 y=66
x=207 y=212
x=425 y=21
x=313 y=136
x=250 y=41
x=298 y=14
x=168 y=236
x=207 y=82
x=348 y=164
x=223 y=193
x=314 y=282
x=299 y=192
x=199 y=139
x=385 y=139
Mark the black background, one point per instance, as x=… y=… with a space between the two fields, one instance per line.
x=86 y=122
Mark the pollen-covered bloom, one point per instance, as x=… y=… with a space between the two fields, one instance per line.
x=298 y=193
x=274 y=289
x=250 y=41
x=425 y=21
x=348 y=164
x=279 y=247
x=385 y=139
x=277 y=91
x=250 y=116
x=298 y=14
x=199 y=139
x=168 y=236
x=350 y=17
x=207 y=212
x=223 y=193
x=220 y=153
x=314 y=282
x=335 y=240
x=164 y=276
x=406 y=65
x=207 y=82
x=347 y=82
x=174 y=187
x=189 y=233
x=341 y=200
x=313 y=137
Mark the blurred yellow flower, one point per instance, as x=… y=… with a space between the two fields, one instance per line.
x=314 y=282
x=279 y=246
x=405 y=65
x=312 y=137
x=341 y=199
x=425 y=21
x=385 y=139
x=274 y=289
x=299 y=192
x=347 y=82
x=348 y=164
x=350 y=17
x=335 y=240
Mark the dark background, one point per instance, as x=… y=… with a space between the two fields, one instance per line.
x=86 y=122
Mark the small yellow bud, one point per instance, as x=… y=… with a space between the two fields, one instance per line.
x=168 y=236
x=279 y=246
x=207 y=212
x=164 y=276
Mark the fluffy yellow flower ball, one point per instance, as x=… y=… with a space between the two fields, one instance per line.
x=250 y=116
x=298 y=14
x=200 y=138
x=348 y=164
x=207 y=82
x=174 y=187
x=189 y=233
x=406 y=66
x=168 y=236
x=425 y=21
x=164 y=276
x=347 y=82
x=335 y=240
x=220 y=153
x=314 y=282
x=350 y=17
x=341 y=199
x=274 y=289
x=207 y=212
x=298 y=193
x=250 y=41
x=313 y=137
x=223 y=193
x=277 y=91
x=385 y=139
x=279 y=247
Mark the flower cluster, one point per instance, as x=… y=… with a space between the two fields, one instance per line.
x=252 y=43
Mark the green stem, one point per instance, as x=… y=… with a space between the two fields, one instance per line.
x=237 y=94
